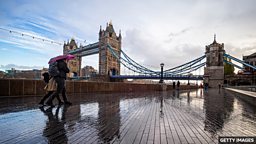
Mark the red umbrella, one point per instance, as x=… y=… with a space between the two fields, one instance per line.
x=61 y=57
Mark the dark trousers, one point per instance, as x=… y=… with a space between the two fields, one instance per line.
x=48 y=95
x=64 y=96
x=60 y=89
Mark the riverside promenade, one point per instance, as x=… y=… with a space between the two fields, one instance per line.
x=156 y=117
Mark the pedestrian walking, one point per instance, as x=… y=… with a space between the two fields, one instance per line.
x=178 y=85
x=60 y=78
x=219 y=86
x=206 y=85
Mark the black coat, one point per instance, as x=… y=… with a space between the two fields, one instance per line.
x=63 y=68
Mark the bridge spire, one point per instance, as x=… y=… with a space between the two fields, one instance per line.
x=120 y=36
x=100 y=32
x=214 y=41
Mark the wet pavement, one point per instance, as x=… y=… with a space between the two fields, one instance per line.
x=152 y=117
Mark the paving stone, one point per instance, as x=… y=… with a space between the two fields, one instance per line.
x=151 y=117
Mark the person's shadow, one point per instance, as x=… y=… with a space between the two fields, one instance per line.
x=161 y=106
x=54 y=130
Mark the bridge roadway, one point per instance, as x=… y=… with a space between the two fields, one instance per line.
x=155 y=117
x=86 y=50
x=165 y=77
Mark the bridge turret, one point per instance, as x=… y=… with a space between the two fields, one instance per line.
x=110 y=32
x=108 y=64
x=214 y=70
x=119 y=36
x=74 y=64
x=214 y=53
x=100 y=32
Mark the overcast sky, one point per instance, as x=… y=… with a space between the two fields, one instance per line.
x=168 y=31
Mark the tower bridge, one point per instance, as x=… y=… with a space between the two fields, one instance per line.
x=111 y=57
x=129 y=113
x=107 y=63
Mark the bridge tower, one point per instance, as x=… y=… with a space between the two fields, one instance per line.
x=74 y=65
x=214 y=70
x=108 y=64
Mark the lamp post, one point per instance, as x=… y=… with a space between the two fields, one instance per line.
x=161 y=77
x=189 y=75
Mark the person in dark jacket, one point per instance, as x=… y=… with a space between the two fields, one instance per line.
x=178 y=85
x=60 y=80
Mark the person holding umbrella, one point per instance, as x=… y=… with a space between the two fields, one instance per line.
x=59 y=76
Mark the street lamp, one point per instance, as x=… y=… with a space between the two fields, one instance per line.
x=161 y=78
x=189 y=75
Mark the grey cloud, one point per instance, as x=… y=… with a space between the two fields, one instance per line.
x=251 y=36
x=143 y=49
x=239 y=52
x=180 y=32
x=172 y=35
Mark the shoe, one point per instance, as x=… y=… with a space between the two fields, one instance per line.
x=49 y=110
x=50 y=104
x=68 y=103
x=61 y=103
x=42 y=109
x=41 y=103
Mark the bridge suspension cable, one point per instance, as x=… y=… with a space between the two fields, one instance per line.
x=237 y=60
x=185 y=67
x=135 y=67
x=131 y=64
x=187 y=70
x=132 y=61
x=233 y=64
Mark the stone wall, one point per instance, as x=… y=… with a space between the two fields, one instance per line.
x=18 y=87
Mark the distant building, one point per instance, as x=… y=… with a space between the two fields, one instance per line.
x=250 y=59
x=88 y=71
x=43 y=71
x=23 y=74
x=11 y=73
x=2 y=74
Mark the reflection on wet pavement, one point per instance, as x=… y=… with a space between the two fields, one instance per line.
x=153 y=117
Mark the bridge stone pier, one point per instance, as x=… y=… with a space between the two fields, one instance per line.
x=214 y=70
